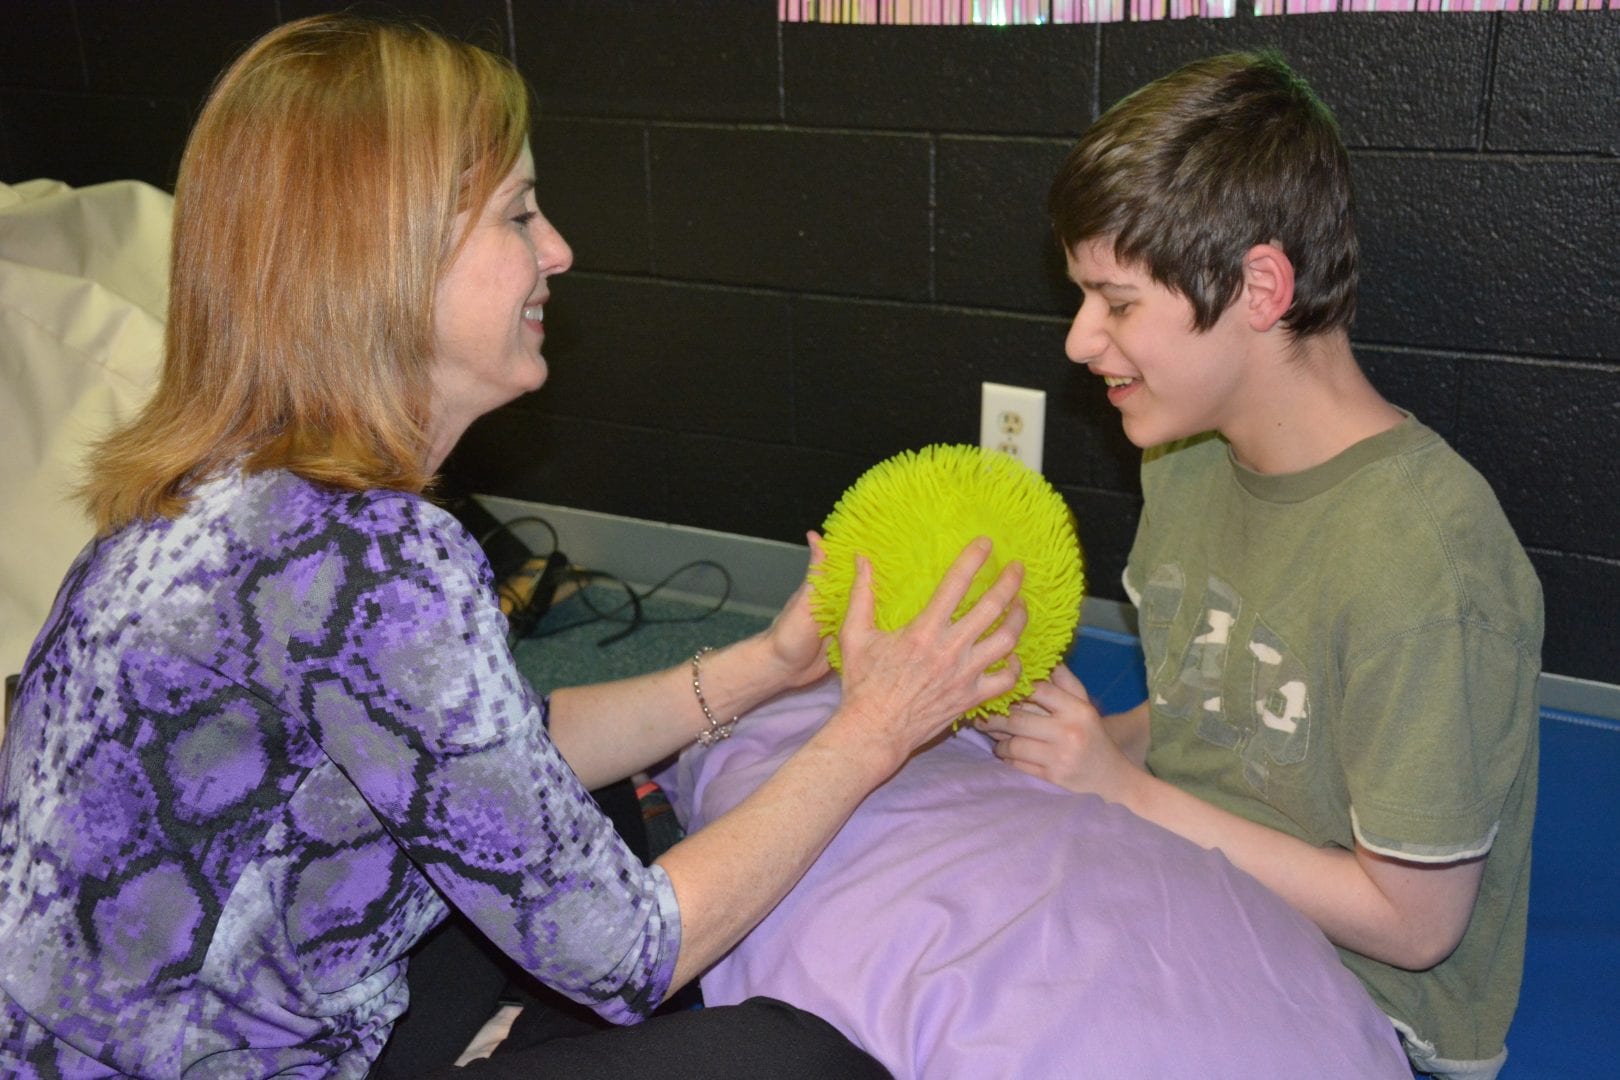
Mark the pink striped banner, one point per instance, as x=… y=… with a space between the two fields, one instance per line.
x=1039 y=12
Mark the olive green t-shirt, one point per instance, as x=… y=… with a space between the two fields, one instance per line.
x=1350 y=653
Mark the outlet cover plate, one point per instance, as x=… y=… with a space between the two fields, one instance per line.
x=1012 y=419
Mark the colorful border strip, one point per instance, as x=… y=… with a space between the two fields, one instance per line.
x=1314 y=7
x=1039 y=12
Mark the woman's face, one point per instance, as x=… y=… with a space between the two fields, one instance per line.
x=489 y=309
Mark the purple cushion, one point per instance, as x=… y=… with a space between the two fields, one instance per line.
x=974 y=921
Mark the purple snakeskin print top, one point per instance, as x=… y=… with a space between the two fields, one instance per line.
x=252 y=748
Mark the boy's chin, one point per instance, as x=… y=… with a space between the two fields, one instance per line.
x=1145 y=435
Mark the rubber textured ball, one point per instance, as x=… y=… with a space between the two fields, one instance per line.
x=911 y=515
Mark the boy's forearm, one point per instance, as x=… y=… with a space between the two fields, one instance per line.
x=1130 y=730
x=1407 y=916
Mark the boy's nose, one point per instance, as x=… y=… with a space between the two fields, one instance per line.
x=1085 y=341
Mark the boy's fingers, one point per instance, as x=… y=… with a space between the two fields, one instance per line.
x=1005 y=725
x=1068 y=681
x=1050 y=696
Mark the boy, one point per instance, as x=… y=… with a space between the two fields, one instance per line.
x=1342 y=633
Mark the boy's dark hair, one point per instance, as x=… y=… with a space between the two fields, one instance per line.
x=1194 y=169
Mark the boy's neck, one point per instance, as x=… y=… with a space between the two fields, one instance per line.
x=1309 y=402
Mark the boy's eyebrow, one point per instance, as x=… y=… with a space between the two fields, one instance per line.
x=1099 y=286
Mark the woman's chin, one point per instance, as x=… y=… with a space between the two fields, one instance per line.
x=534 y=375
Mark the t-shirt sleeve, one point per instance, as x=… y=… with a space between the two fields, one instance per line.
x=426 y=713
x=1131 y=576
x=1436 y=733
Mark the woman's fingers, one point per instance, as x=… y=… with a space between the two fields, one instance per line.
x=999 y=602
x=993 y=684
x=858 y=615
x=947 y=596
x=818 y=553
x=937 y=666
x=956 y=582
x=1002 y=640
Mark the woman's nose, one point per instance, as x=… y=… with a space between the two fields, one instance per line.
x=551 y=251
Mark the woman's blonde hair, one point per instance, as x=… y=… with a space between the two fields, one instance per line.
x=315 y=211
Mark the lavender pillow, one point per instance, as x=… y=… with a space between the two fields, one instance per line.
x=974 y=921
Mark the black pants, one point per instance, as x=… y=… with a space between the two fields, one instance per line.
x=458 y=979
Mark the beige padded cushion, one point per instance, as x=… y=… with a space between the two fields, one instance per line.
x=83 y=291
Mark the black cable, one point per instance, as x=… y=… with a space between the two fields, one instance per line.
x=523 y=613
x=506 y=526
x=526 y=612
x=634 y=601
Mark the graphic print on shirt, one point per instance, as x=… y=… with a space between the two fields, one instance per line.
x=1282 y=705
x=1195 y=692
x=1156 y=607
x=1271 y=727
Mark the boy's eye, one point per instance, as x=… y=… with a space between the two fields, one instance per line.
x=1118 y=309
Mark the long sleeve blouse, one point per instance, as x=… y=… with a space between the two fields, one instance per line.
x=256 y=749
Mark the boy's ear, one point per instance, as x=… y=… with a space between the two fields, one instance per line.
x=1268 y=285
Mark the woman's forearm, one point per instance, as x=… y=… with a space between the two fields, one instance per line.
x=608 y=731
x=731 y=873
x=900 y=689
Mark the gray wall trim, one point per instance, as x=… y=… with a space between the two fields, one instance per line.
x=765 y=572
x=1584 y=696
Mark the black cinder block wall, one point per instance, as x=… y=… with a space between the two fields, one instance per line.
x=801 y=248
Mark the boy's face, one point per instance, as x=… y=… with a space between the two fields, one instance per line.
x=1167 y=380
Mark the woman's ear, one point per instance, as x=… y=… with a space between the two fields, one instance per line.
x=1268 y=285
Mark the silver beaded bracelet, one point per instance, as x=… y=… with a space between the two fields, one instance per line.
x=716 y=730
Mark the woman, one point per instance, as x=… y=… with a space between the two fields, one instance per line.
x=271 y=728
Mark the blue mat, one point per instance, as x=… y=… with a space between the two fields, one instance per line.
x=1110 y=664
x=1566 y=1024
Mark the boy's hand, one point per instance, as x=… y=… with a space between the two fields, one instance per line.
x=1057 y=734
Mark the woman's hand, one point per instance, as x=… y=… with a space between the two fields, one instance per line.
x=1057 y=734
x=794 y=637
x=900 y=689
x=903 y=687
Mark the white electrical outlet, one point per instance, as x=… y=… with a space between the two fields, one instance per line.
x=1012 y=419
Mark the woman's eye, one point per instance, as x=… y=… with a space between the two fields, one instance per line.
x=522 y=220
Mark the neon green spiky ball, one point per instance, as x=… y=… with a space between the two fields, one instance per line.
x=912 y=515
